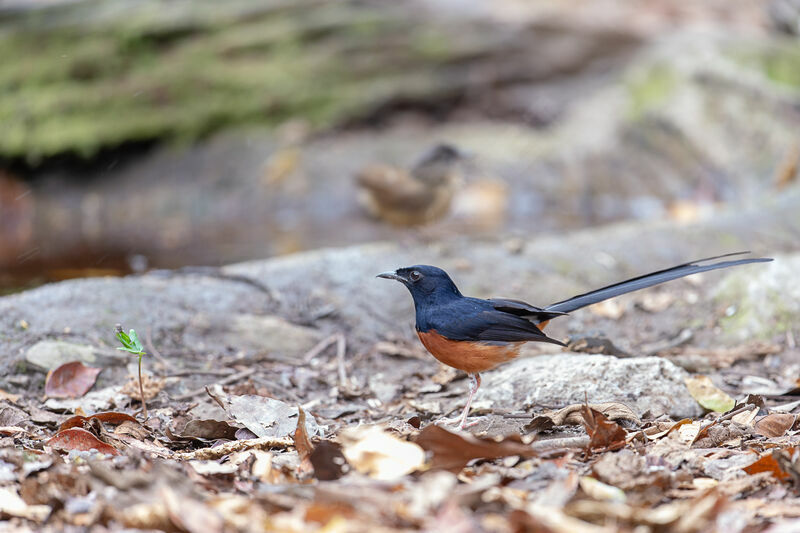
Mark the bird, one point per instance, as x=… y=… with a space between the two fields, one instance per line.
x=475 y=335
x=420 y=196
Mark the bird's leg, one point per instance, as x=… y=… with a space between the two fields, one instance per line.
x=475 y=382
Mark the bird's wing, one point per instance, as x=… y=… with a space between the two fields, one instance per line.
x=523 y=309
x=480 y=322
x=393 y=187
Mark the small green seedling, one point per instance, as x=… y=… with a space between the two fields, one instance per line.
x=130 y=343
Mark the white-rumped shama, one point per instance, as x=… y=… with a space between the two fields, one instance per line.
x=476 y=335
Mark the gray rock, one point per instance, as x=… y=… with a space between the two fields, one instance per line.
x=51 y=354
x=762 y=302
x=643 y=383
x=174 y=306
x=254 y=333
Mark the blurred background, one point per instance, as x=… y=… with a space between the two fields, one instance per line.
x=140 y=134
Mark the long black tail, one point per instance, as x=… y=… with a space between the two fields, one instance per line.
x=648 y=280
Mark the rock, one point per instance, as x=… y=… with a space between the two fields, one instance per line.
x=52 y=354
x=181 y=308
x=643 y=383
x=253 y=333
x=762 y=302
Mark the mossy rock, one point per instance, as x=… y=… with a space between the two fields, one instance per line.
x=97 y=75
x=767 y=300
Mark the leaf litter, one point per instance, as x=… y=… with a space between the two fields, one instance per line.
x=298 y=448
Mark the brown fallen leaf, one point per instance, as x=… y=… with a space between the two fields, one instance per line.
x=4 y=395
x=328 y=461
x=571 y=415
x=204 y=430
x=452 y=451
x=302 y=444
x=775 y=424
x=81 y=440
x=603 y=433
x=768 y=463
x=70 y=380
x=322 y=512
x=189 y=514
x=10 y=431
x=109 y=417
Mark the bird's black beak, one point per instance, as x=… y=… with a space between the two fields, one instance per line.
x=390 y=275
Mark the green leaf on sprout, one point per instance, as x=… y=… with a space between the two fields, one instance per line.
x=130 y=342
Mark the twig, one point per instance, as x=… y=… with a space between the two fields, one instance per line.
x=148 y=339
x=209 y=372
x=320 y=347
x=225 y=381
x=563 y=442
x=141 y=389
x=341 y=348
x=215 y=452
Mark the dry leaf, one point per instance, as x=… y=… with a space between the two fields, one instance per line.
x=603 y=434
x=767 y=463
x=110 y=417
x=378 y=454
x=265 y=417
x=571 y=415
x=452 y=451
x=204 y=430
x=70 y=380
x=12 y=505
x=5 y=395
x=81 y=440
x=600 y=491
x=191 y=515
x=775 y=424
x=324 y=512
x=707 y=395
x=745 y=418
x=302 y=444
x=328 y=461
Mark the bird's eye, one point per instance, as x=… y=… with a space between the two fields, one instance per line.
x=414 y=276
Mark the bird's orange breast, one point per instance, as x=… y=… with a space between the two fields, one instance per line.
x=471 y=357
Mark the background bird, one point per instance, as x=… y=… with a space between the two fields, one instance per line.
x=408 y=198
x=476 y=335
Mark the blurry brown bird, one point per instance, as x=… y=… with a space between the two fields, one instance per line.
x=416 y=197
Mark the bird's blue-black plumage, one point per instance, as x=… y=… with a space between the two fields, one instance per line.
x=442 y=308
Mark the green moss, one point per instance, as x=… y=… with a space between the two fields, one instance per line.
x=650 y=88
x=779 y=63
x=160 y=73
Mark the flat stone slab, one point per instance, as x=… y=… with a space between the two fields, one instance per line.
x=642 y=383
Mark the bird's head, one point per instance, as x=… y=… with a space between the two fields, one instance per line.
x=426 y=283
x=441 y=153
